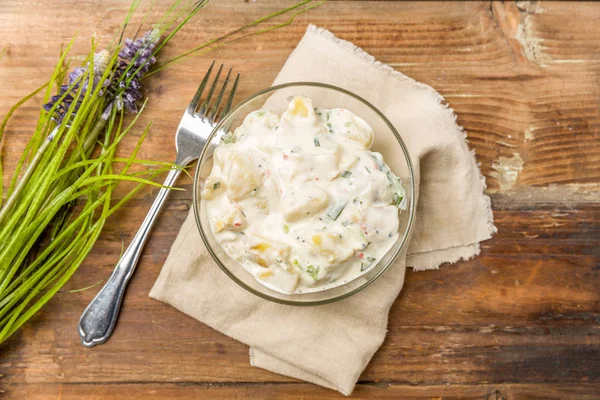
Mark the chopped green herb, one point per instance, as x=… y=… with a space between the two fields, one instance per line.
x=346 y=174
x=227 y=138
x=368 y=170
x=329 y=126
x=395 y=182
x=399 y=191
x=317 y=143
x=261 y=113
x=216 y=185
x=313 y=271
x=398 y=199
x=286 y=228
x=345 y=223
x=366 y=264
x=348 y=124
x=378 y=160
x=336 y=209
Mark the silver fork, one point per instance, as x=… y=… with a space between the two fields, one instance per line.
x=99 y=318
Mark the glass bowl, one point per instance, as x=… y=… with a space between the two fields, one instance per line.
x=387 y=141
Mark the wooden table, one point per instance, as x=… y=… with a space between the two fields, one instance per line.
x=522 y=320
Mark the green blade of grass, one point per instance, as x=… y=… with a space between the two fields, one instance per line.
x=86 y=287
x=67 y=194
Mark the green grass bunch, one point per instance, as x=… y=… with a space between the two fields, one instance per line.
x=60 y=194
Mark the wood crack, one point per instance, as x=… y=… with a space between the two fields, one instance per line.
x=516 y=27
x=530 y=44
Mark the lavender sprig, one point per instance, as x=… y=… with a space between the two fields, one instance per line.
x=124 y=87
x=33 y=272
x=137 y=57
x=69 y=92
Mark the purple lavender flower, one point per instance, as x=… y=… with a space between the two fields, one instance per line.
x=136 y=60
x=101 y=60
x=124 y=87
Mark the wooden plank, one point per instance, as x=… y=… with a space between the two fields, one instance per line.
x=288 y=391
x=507 y=103
x=522 y=317
x=526 y=310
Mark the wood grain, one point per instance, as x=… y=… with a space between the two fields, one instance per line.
x=291 y=391
x=519 y=321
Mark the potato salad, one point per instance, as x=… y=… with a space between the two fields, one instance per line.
x=300 y=200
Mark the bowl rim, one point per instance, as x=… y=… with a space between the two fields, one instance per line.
x=411 y=217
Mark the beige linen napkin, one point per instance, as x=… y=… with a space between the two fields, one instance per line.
x=330 y=345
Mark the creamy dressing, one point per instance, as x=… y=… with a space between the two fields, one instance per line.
x=300 y=201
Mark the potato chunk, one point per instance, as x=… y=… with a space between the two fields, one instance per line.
x=266 y=252
x=242 y=177
x=361 y=133
x=223 y=154
x=212 y=187
x=302 y=202
x=298 y=107
x=351 y=126
x=331 y=247
x=300 y=111
x=279 y=278
x=232 y=219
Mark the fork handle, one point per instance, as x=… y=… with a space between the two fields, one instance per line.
x=99 y=318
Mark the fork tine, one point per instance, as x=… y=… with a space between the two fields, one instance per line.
x=227 y=107
x=204 y=106
x=213 y=112
x=194 y=103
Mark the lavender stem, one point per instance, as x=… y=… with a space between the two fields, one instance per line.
x=30 y=168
